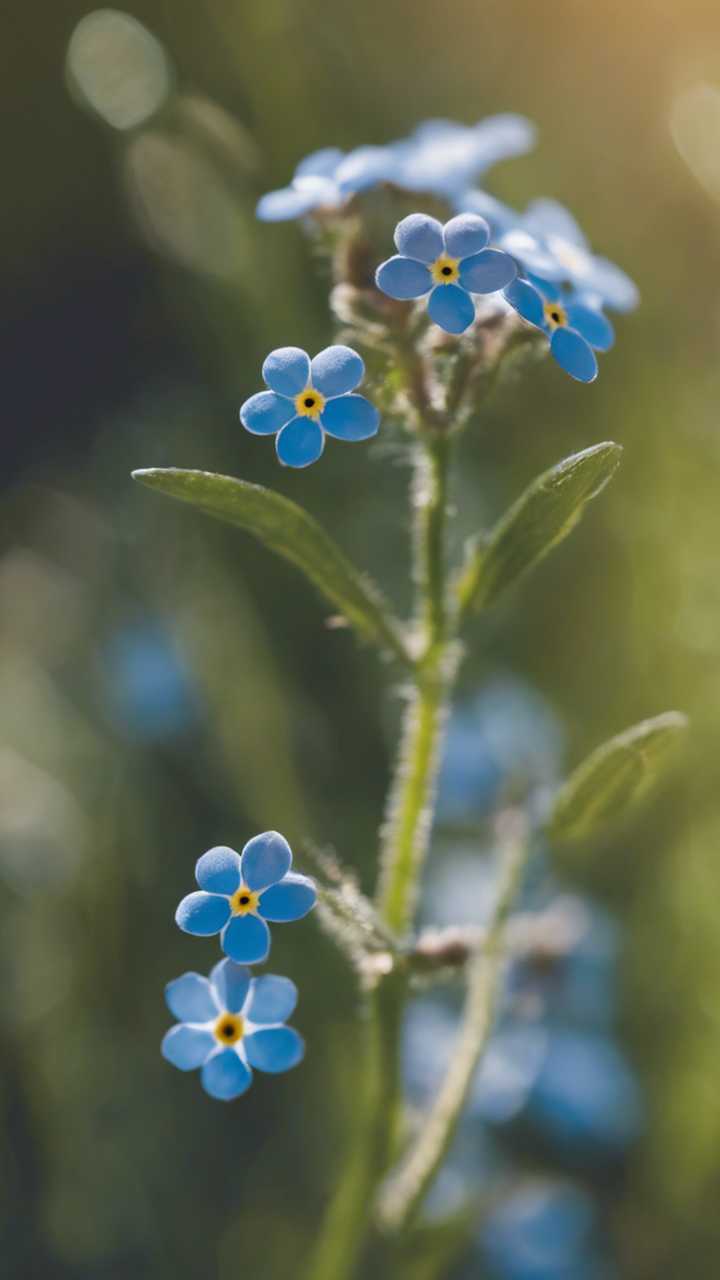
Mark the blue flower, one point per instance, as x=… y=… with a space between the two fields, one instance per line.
x=229 y=1024
x=239 y=893
x=576 y=327
x=326 y=179
x=308 y=400
x=450 y=262
x=443 y=157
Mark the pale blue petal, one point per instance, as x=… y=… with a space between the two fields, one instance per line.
x=592 y=325
x=291 y=899
x=488 y=271
x=190 y=998
x=274 y=1049
x=300 y=443
x=501 y=136
x=266 y=412
x=265 y=860
x=320 y=164
x=532 y=254
x=336 y=370
x=545 y=217
x=232 y=983
x=365 y=167
x=350 y=418
x=451 y=307
x=614 y=286
x=466 y=234
x=287 y=370
x=499 y=216
x=225 y=1075
x=187 y=1047
x=526 y=300
x=403 y=278
x=549 y=289
x=246 y=940
x=202 y=914
x=419 y=236
x=218 y=870
x=301 y=197
x=574 y=355
x=272 y=999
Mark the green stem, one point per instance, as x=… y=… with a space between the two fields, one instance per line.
x=406 y=1187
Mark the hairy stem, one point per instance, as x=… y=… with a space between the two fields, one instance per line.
x=406 y=1187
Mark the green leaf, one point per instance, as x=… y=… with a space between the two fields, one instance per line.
x=614 y=777
x=544 y=515
x=284 y=527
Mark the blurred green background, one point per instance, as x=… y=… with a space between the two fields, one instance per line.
x=165 y=685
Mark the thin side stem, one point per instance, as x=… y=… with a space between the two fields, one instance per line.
x=406 y=1187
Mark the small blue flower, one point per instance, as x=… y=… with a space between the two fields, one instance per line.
x=326 y=179
x=575 y=328
x=229 y=1024
x=450 y=262
x=239 y=893
x=308 y=400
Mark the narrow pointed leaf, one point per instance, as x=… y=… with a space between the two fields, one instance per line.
x=544 y=515
x=287 y=529
x=614 y=777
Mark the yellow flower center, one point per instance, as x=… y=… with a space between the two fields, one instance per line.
x=229 y=1028
x=555 y=315
x=309 y=404
x=244 y=900
x=445 y=270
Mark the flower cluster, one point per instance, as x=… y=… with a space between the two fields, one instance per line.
x=233 y=1022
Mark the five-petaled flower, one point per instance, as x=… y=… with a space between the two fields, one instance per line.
x=229 y=1024
x=239 y=893
x=309 y=399
x=575 y=329
x=450 y=263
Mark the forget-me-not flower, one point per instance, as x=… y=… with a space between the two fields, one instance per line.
x=326 y=179
x=575 y=329
x=238 y=894
x=309 y=399
x=450 y=263
x=229 y=1024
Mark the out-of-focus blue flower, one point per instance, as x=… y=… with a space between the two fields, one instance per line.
x=544 y=1231
x=506 y=738
x=308 y=400
x=571 y=966
x=449 y=262
x=574 y=328
x=441 y=157
x=149 y=687
x=230 y=1023
x=239 y=893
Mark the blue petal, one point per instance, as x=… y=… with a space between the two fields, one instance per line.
x=336 y=370
x=265 y=860
x=304 y=195
x=592 y=325
x=246 y=940
x=365 y=167
x=190 y=998
x=545 y=217
x=274 y=1049
x=225 y=1075
x=218 y=870
x=451 y=307
x=350 y=418
x=526 y=300
x=419 y=236
x=466 y=234
x=403 y=278
x=300 y=443
x=501 y=136
x=614 y=286
x=320 y=164
x=574 y=355
x=291 y=899
x=272 y=999
x=187 y=1047
x=549 y=289
x=202 y=914
x=499 y=216
x=232 y=983
x=266 y=413
x=287 y=371
x=488 y=271
x=532 y=254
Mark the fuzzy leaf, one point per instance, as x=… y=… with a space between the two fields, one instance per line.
x=545 y=514
x=287 y=529
x=614 y=777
